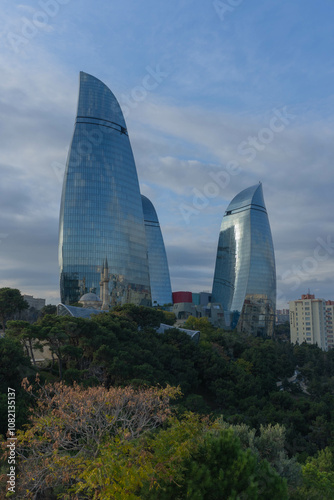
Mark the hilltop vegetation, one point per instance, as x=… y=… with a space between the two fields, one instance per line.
x=228 y=381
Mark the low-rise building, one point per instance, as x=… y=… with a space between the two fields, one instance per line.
x=282 y=316
x=37 y=304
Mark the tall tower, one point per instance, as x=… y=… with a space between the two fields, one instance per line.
x=101 y=212
x=157 y=259
x=245 y=276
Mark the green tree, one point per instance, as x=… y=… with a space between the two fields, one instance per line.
x=169 y=317
x=27 y=335
x=48 y=309
x=191 y=458
x=11 y=301
x=318 y=478
x=201 y=324
x=268 y=444
x=144 y=317
x=14 y=366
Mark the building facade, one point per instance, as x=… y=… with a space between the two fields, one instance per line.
x=161 y=290
x=37 y=304
x=101 y=215
x=330 y=323
x=198 y=305
x=308 y=321
x=282 y=316
x=245 y=275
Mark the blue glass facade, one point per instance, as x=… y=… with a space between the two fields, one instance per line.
x=157 y=259
x=101 y=213
x=245 y=276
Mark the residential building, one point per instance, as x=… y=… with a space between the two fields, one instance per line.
x=308 y=321
x=330 y=323
x=245 y=276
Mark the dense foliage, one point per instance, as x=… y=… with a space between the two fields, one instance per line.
x=11 y=301
x=268 y=391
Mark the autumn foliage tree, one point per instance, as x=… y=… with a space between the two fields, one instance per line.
x=104 y=444
x=69 y=424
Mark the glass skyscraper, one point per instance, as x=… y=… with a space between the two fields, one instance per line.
x=159 y=273
x=245 y=276
x=101 y=215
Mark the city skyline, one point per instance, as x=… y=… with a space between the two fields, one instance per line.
x=214 y=102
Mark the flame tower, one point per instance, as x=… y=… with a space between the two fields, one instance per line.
x=101 y=214
x=159 y=273
x=245 y=276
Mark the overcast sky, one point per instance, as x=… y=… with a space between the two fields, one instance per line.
x=217 y=96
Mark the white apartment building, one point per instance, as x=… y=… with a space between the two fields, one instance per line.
x=308 y=321
x=329 y=323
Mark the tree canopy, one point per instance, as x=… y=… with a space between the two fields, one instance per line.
x=276 y=397
x=11 y=301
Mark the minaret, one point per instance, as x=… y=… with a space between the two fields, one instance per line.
x=104 y=284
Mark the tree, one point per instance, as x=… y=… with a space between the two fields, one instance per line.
x=169 y=317
x=318 y=478
x=14 y=366
x=145 y=317
x=11 y=301
x=27 y=334
x=268 y=444
x=202 y=324
x=190 y=459
x=49 y=309
x=69 y=425
x=64 y=336
x=219 y=468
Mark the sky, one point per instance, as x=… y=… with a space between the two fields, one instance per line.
x=217 y=96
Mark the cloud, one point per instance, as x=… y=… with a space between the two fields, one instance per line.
x=225 y=79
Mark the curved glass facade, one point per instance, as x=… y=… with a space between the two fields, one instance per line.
x=157 y=259
x=101 y=213
x=245 y=276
